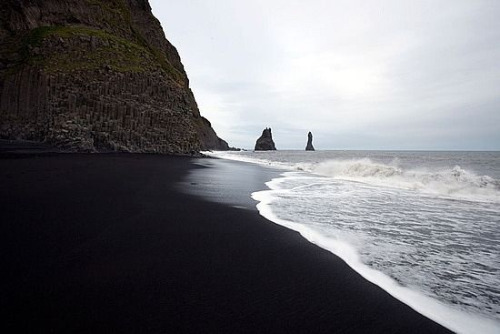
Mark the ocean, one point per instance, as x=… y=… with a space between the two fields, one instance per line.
x=424 y=226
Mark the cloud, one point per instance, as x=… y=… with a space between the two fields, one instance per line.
x=359 y=75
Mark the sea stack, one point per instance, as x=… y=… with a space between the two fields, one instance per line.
x=265 y=142
x=309 y=146
x=95 y=76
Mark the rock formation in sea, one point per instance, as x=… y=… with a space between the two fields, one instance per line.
x=95 y=75
x=309 y=146
x=265 y=141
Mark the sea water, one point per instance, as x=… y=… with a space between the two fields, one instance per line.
x=424 y=226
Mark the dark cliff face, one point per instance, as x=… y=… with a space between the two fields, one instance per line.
x=95 y=75
x=265 y=141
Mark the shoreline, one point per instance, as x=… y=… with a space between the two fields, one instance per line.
x=432 y=308
x=109 y=243
x=455 y=319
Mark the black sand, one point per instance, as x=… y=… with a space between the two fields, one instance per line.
x=107 y=243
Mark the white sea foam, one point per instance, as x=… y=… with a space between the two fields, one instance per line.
x=450 y=182
x=454 y=319
x=255 y=159
x=390 y=217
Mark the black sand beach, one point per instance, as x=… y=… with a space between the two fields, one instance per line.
x=108 y=243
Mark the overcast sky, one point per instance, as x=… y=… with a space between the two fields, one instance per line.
x=358 y=74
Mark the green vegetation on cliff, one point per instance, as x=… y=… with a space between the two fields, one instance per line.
x=87 y=49
x=80 y=48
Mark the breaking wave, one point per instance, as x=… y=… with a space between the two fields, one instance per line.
x=453 y=182
x=421 y=225
x=447 y=182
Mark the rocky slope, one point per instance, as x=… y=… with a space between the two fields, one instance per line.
x=95 y=75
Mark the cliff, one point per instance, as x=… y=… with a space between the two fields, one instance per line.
x=265 y=141
x=95 y=75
